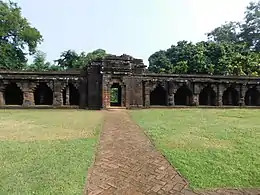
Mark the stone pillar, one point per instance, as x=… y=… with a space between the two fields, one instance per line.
x=83 y=96
x=28 y=97
x=195 y=99
x=171 y=96
x=67 y=96
x=147 y=94
x=57 y=94
x=220 y=95
x=242 y=95
x=125 y=96
x=105 y=92
x=2 y=99
x=195 y=96
x=171 y=99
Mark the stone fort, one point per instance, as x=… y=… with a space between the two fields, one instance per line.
x=91 y=87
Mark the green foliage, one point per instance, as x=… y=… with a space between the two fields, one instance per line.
x=231 y=49
x=40 y=64
x=16 y=37
x=71 y=60
x=114 y=95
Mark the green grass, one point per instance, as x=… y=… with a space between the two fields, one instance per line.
x=46 y=151
x=211 y=148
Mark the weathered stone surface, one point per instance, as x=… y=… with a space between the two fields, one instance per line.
x=94 y=86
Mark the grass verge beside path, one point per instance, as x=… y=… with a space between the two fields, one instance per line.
x=211 y=148
x=46 y=151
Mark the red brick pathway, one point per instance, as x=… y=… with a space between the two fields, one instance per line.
x=127 y=164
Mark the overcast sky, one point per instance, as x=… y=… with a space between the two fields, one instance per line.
x=135 y=27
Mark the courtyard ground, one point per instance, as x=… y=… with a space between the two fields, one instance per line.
x=46 y=151
x=50 y=151
x=212 y=148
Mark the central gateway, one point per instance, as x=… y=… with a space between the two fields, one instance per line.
x=108 y=81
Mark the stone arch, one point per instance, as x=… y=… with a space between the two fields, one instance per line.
x=70 y=95
x=158 y=96
x=183 y=96
x=208 y=96
x=43 y=94
x=252 y=97
x=13 y=94
x=230 y=97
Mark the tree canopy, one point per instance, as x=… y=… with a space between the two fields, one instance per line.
x=71 y=60
x=231 y=49
x=17 y=37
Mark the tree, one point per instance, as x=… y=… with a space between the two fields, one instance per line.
x=250 y=29
x=68 y=59
x=40 y=63
x=71 y=60
x=17 y=37
x=231 y=49
x=228 y=32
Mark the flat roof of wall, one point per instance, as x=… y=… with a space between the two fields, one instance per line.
x=153 y=75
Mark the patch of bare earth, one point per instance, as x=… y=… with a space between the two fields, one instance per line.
x=128 y=164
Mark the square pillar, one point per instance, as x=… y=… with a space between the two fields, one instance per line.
x=28 y=98
x=220 y=95
x=2 y=99
x=57 y=94
x=67 y=96
x=195 y=99
x=171 y=101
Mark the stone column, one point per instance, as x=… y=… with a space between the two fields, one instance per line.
x=2 y=99
x=171 y=96
x=195 y=96
x=57 y=94
x=171 y=99
x=147 y=94
x=125 y=96
x=28 y=97
x=195 y=99
x=67 y=96
x=220 y=95
x=83 y=94
x=242 y=95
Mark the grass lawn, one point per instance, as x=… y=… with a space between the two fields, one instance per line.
x=46 y=151
x=212 y=148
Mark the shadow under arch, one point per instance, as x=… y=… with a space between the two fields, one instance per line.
x=183 y=96
x=158 y=96
x=73 y=95
x=208 y=97
x=230 y=97
x=13 y=95
x=43 y=95
x=252 y=97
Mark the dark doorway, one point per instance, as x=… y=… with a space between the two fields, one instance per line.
x=183 y=96
x=158 y=96
x=252 y=97
x=43 y=95
x=230 y=97
x=73 y=95
x=207 y=97
x=13 y=95
x=116 y=95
